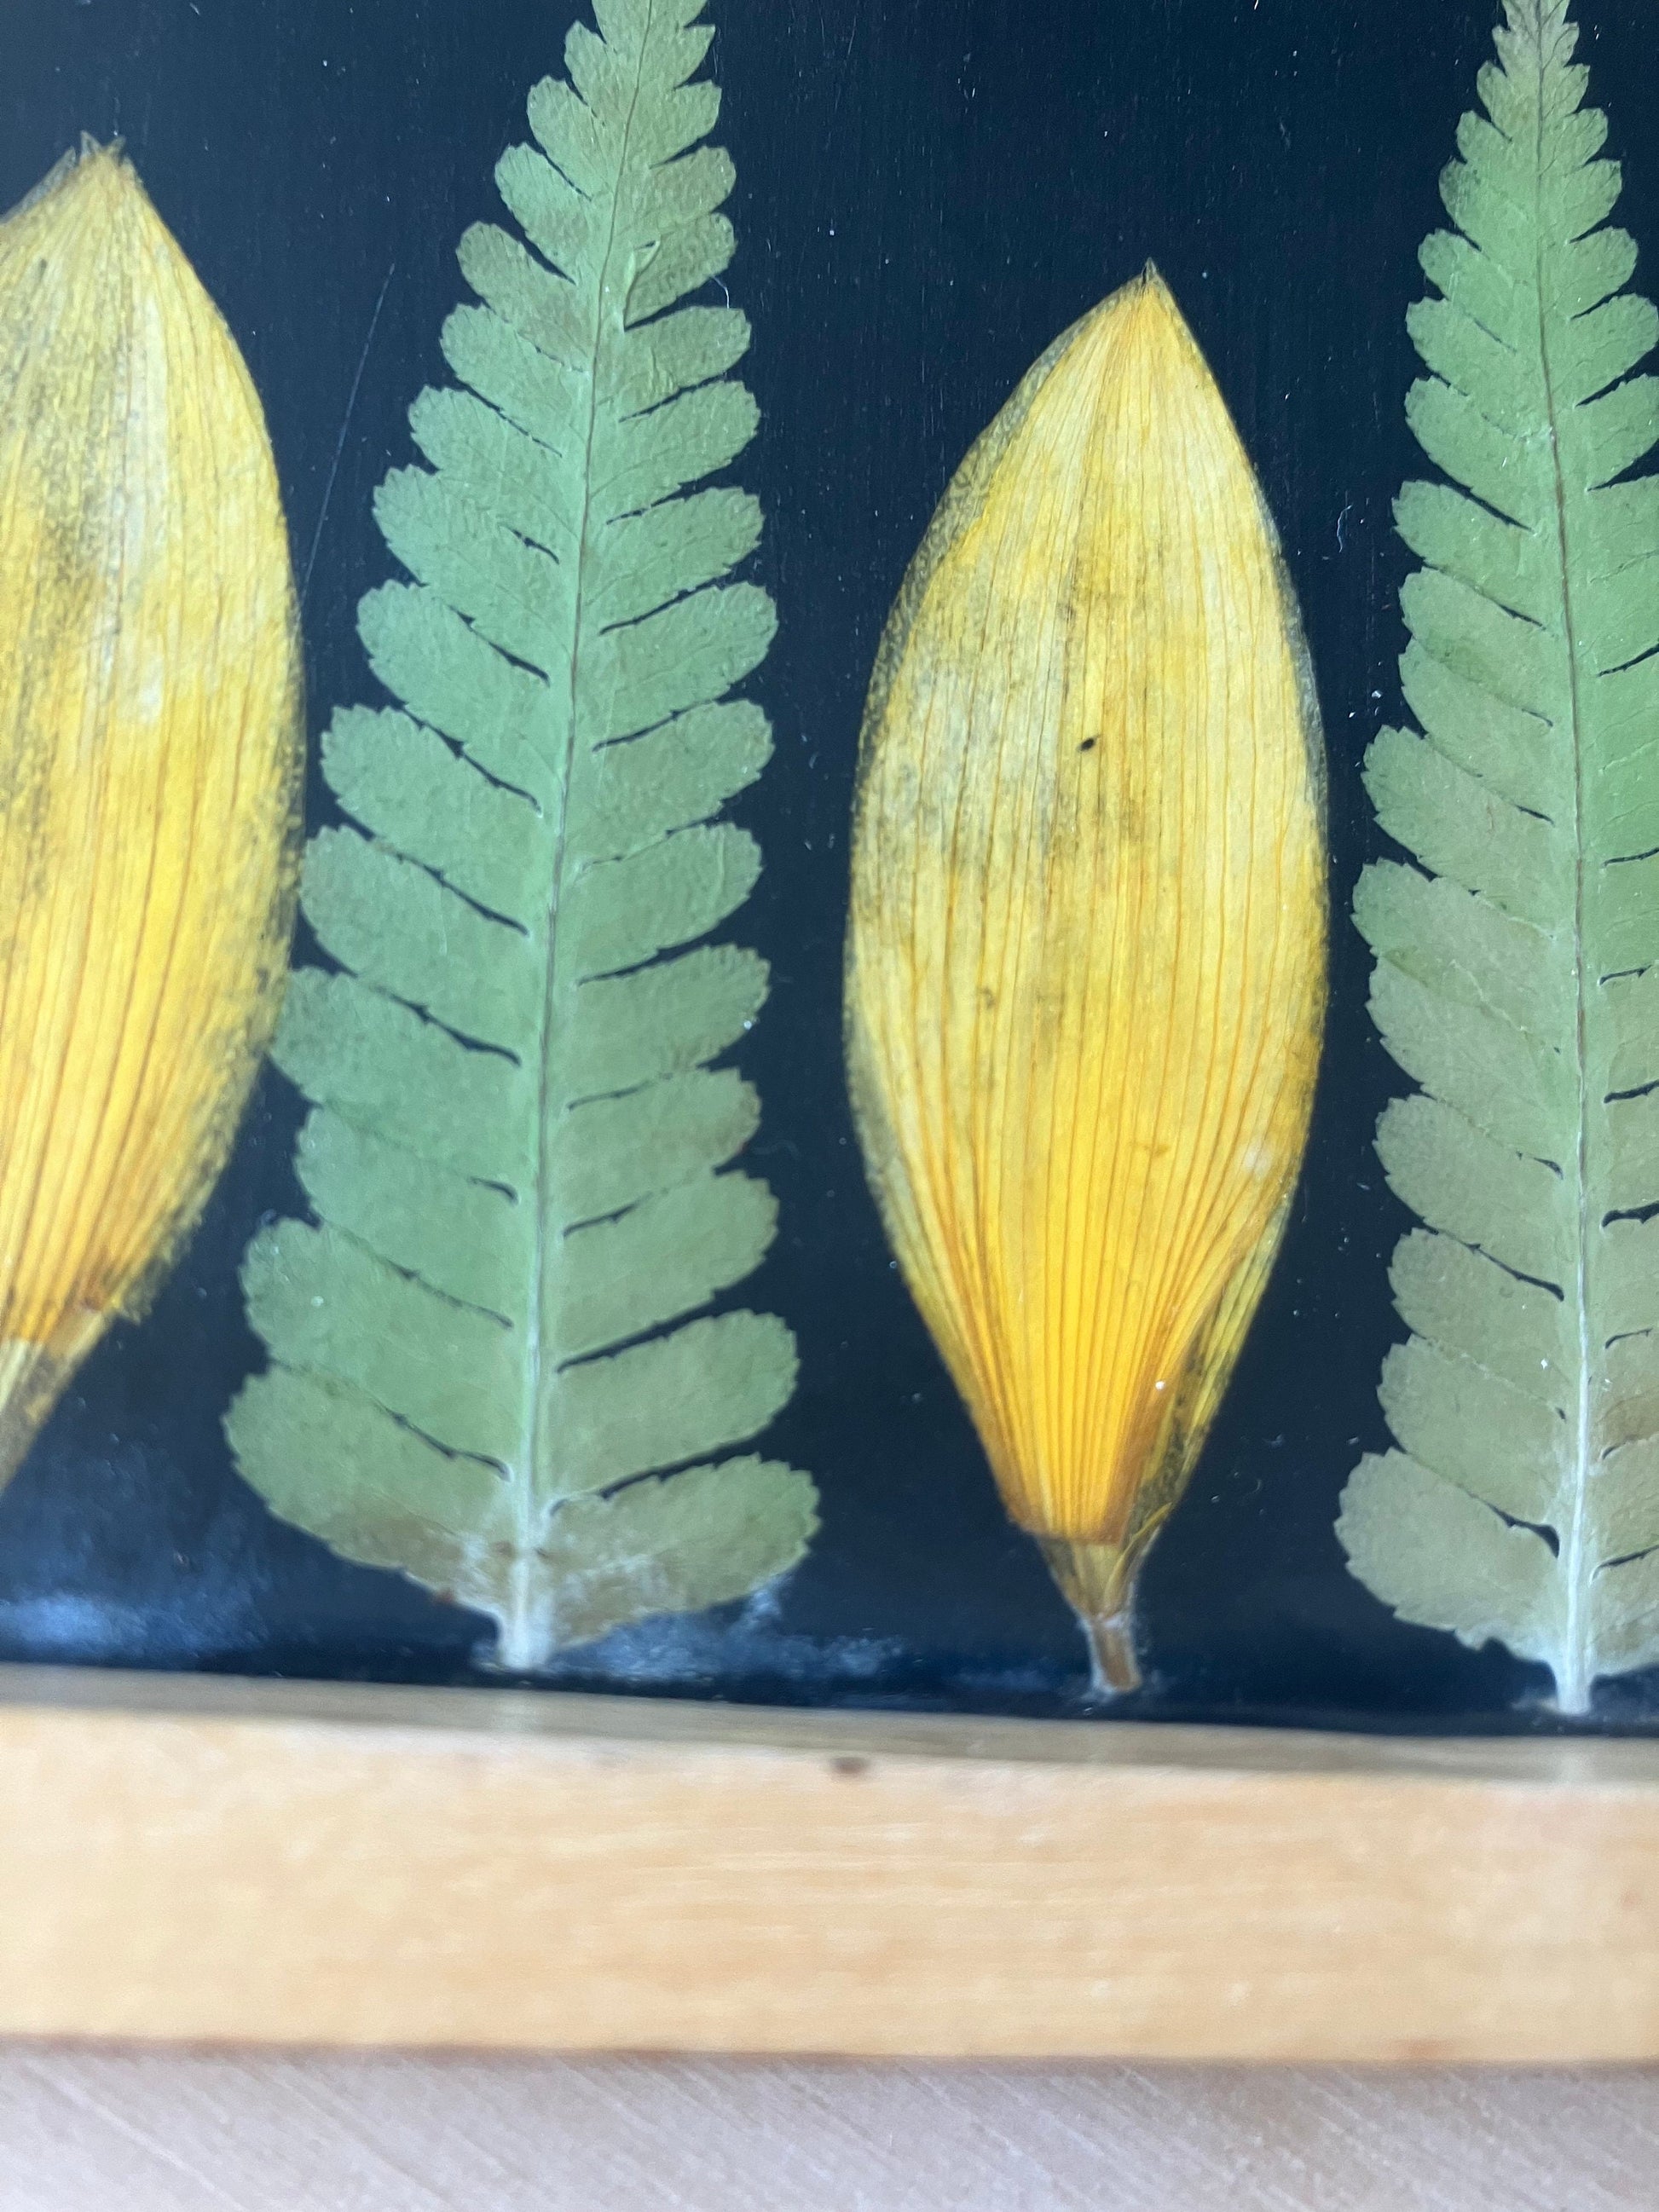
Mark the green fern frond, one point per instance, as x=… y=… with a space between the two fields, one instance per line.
x=1517 y=965
x=516 y=1151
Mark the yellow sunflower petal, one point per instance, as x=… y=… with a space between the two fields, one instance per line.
x=151 y=732
x=1086 y=956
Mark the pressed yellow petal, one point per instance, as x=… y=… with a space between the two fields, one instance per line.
x=1086 y=956
x=151 y=722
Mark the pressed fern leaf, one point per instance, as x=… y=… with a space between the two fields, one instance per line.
x=515 y=1151
x=1517 y=966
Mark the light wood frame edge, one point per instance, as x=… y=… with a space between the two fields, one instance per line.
x=201 y=1859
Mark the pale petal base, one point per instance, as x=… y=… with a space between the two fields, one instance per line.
x=1098 y=1581
x=33 y=1378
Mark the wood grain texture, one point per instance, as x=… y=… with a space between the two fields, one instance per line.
x=166 y=2133
x=200 y=1860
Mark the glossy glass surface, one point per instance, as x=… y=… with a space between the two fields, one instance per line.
x=926 y=195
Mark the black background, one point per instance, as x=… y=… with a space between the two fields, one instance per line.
x=928 y=190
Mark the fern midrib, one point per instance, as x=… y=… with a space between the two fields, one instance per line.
x=552 y=1093
x=1572 y=1670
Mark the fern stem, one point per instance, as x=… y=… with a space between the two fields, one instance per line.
x=552 y=1099
x=1572 y=1663
x=523 y=1644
